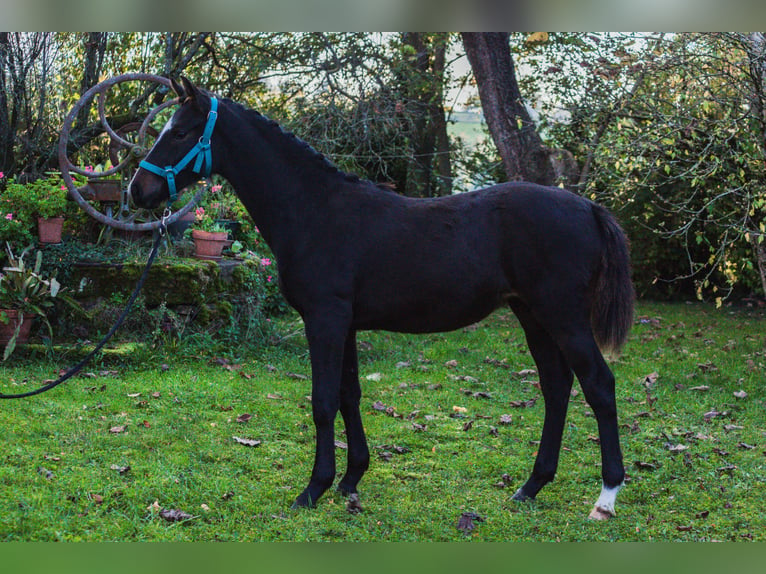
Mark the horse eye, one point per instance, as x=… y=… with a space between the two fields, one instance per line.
x=179 y=134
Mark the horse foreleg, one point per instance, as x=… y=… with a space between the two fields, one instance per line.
x=326 y=336
x=350 y=396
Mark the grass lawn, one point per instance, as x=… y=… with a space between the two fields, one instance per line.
x=126 y=451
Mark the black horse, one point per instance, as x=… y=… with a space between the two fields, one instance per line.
x=355 y=256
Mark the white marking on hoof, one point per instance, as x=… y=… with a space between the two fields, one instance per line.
x=604 y=507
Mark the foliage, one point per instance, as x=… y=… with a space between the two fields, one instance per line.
x=28 y=291
x=152 y=428
x=668 y=129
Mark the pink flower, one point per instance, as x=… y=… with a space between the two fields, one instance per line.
x=216 y=188
x=199 y=213
x=265 y=261
x=2 y=175
x=8 y=216
x=268 y=279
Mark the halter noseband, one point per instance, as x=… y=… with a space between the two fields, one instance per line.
x=201 y=151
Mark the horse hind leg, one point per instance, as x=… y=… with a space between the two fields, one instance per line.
x=556 y=383
x=598 y=385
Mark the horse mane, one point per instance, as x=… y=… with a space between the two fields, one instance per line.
x=304 y=149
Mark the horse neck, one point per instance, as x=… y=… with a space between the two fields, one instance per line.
x=279 y=183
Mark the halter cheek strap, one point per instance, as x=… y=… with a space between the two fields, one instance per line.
x=200 y=153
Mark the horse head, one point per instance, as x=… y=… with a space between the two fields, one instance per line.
x=182 y=152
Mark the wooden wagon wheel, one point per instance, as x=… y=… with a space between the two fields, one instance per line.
x=118 y=141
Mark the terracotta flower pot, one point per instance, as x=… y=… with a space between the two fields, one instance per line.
x=106 y=189
x=49 y=229
x=209 y=244
x=7 y=329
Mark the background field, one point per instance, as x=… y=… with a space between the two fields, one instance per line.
x=147 y=437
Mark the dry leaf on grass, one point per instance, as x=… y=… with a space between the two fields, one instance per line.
x=467 y=521
x=246 y=441
x=175 y=515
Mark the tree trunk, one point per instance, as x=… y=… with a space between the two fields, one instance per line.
x=520 y=147
x=429 y=173
x=95 y=47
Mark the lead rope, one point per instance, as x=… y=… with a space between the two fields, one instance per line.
x=78 y=367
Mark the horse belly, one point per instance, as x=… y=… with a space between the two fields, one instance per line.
x=425 y=308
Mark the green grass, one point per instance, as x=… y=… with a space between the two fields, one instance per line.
x=60 y=477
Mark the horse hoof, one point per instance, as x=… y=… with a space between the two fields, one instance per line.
x=352 y=504
x=600 y=513
x=303 y=501
x=521 y=497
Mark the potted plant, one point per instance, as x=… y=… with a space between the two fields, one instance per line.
x=26 y=294
x=49 y=197
x=105 y=188
x=225 y=208
x=210 y=236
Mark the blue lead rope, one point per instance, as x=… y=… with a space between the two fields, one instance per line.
x=201 y=153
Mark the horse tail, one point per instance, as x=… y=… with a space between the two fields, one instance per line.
x=613 y=294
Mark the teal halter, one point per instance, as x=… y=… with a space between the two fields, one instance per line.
x=203 y=163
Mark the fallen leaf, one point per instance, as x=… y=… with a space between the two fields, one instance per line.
x=341 y=445
x=700 y=388
x=677 y=447
x=118 y=429
x=467 y=521
x=243 y=418
x=746 y=446
x=154 y=507
x=353 y=506
x=645 y=465
x=458 y=409
x=418 y=427
x=45 y=472
x=740 y=394
x=247 y=441
x=506 y=419
x=523 y=404
x=403 y=364
x=684 y=528
x=496 y=363
x=120 y=469
x=451 y=364
x=703 y=514
x=732 y=427
x=375 y=377
x=467 y=426
x=707 y=367
x=97 y=498
x=296 y=376
x=204 y=507
x=274 y=396
x=134 y=395
x=650 y=379
x=174 y=515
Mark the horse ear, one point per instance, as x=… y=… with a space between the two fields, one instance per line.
x=177 y=88
x=192 y=93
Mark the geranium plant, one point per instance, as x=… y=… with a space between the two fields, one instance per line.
x=45 y=197
x=205 y=220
